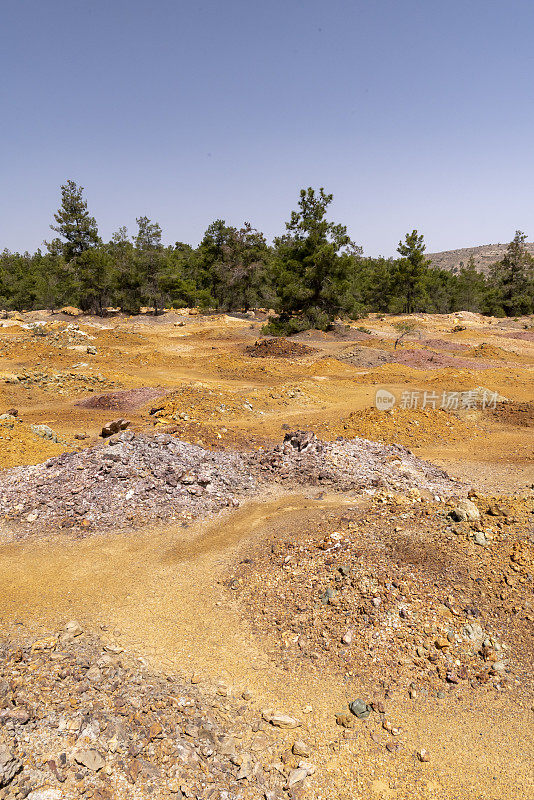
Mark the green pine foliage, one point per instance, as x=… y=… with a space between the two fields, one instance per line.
x=410 y=273
x=311 y=275
x=77 y=229
x=513 y=280
x=313 y=268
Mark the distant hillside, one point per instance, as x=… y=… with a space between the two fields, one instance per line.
x=484 y=256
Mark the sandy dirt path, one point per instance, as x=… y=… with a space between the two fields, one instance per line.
x=159 y=595
x=160 y=587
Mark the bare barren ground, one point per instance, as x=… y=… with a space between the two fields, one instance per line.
x=234 y=593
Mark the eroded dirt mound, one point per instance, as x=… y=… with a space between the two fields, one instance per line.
x=515 y=413
x=122 y=401
x=407 y=427
x=489 y=351
x=367 y=357
x=278 y=348
x=399 y=593
x=75 y=714
x=140 y=478
x=429 y=359
x=444 y=344
x=354 y=465
x=197 y=402
x=136 y=479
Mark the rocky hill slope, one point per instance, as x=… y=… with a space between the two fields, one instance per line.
x=484 y=256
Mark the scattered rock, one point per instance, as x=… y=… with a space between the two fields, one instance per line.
x=116 y=426
x=93 y=674
x=465 y=510
x=360 y=709
x=20 y=715
x=281 y=720
x=71 y=311
x=46 y=433
x=474 y=632
x=246 y=767
x=131 y=728
x=495 y=510
x=9 y=765
x=91 y=759
x=296 y=776
x=300 y=748
x=73 y=628
x=345 y=720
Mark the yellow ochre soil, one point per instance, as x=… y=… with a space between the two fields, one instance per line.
x=240 y=598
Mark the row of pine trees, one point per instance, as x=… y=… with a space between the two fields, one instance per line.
x=310 y=275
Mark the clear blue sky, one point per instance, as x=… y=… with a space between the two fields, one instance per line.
x=414 y=113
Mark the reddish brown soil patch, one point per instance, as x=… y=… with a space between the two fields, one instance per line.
x=278 y=348
x=444 y=344
x=400 y=593
x=515 y=413
x=428 y=359
x=527 y=336
x=122 y=401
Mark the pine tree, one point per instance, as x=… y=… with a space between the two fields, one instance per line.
x=242 y=279
x=470 y=287
x=74 y=224
x=150 y=263
x=410 y=270
x=127 y=283
x=96 y=276
x=202 y=267
x=513 y=277
x=148 y=235
x=313 y=266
